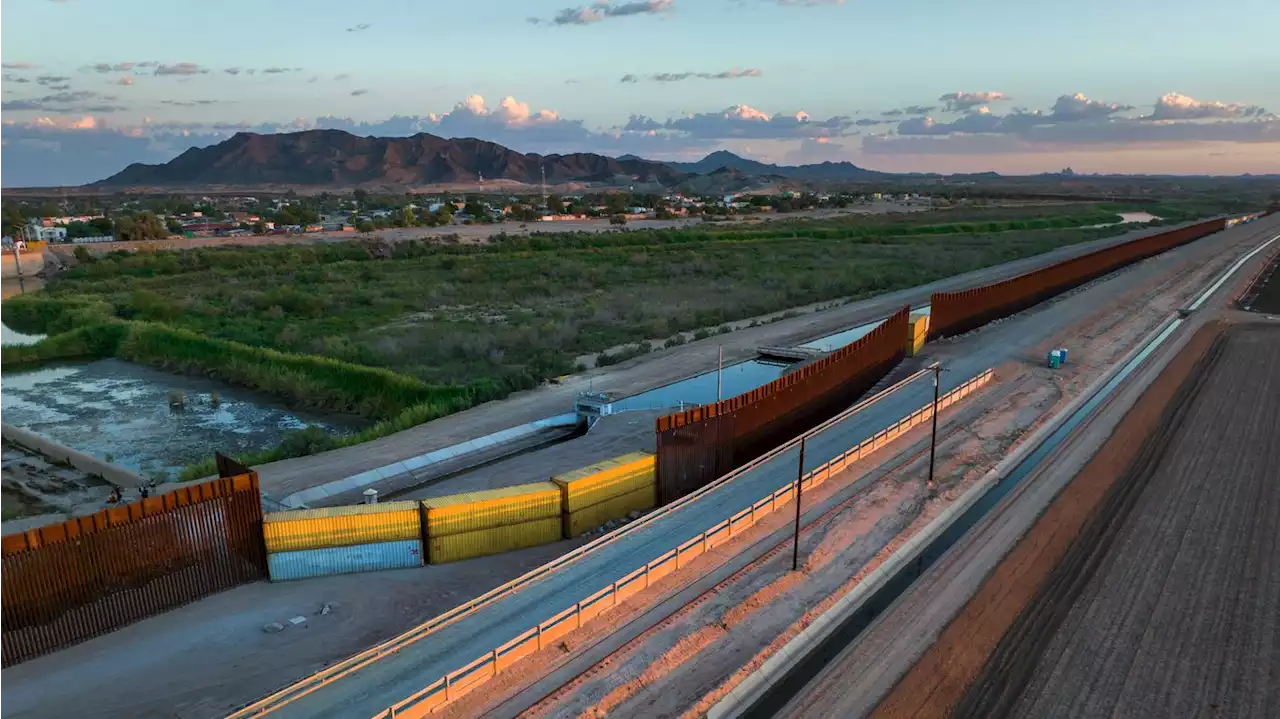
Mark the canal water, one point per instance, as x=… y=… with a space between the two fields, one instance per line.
x=121 y=412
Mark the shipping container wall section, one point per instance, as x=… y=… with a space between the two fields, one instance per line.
x=606 y=491
x=955 y=313
x=699 y=445
x=475 y=524
x=341 y=526
x=308 y=543
x=372 y=557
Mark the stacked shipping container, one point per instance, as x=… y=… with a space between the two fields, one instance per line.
x=341 y=540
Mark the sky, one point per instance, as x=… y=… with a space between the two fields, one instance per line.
x=1014 y=86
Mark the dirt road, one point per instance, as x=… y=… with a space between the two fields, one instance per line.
x=1168 y=602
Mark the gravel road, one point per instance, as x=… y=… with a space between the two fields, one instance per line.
x=1168 y=602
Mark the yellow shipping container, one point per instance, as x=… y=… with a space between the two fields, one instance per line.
x=588 y=518
x=605 y=480
x=474 y=511
x=495 y=540
x=341 y=526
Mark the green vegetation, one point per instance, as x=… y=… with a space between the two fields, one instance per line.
x=406 y=333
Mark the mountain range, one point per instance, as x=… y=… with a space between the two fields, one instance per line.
x=340 y=159
x=334 y=158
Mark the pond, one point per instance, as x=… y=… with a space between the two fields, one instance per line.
x=121 y=412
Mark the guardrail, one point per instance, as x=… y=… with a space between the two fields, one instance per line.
x=459 y=682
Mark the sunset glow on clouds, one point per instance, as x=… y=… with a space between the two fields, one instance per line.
x=777 y=81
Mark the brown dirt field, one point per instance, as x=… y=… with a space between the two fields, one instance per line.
x=938 y=681
x=1166 y=603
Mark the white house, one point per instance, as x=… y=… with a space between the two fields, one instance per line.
x=46 y=234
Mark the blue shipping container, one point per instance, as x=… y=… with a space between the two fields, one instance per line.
x=307 y=563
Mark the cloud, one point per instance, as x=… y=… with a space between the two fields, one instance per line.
x=189 y=103
x=869 y=121
x=811 y=151
x=124 y=80
x=809 y=3
x=892 y=113
x=9 y=77
x=359 y=28
x=357 y=93
x=232 y=71
x=731 y=74
x=919 y=109
x=279 y=70
x=742 y=121
x=1175 y=106
x=181 y=68
x=1075 y=120
x=603 y=10
x=105 y=67
x=149 y=63
x=52 y=79
x=79 y=101
x=18 y=65
x=964 y=101
x=341 y=76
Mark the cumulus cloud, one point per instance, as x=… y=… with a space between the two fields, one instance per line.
x=359 y=28
x=124 y=80
x=965 y=101
x=18 y=65
x=1076 y=120
x=742 y=121
x=181 y=68
x=731 y=74
x=604 y=10
x=1176 y=106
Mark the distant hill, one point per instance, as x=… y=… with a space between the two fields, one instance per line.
x=340 y=159
x=821 y=172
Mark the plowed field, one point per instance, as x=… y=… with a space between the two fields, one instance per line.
x=1167 y=604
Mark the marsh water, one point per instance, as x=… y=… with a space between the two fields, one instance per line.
x=152 y=422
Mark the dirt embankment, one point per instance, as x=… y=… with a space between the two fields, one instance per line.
x=941 y=677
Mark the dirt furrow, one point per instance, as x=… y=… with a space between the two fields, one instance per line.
x=1167 y=603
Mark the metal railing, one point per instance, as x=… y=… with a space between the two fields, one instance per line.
x=459 y=682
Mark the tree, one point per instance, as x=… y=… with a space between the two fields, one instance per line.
x=617 y=219
x=286 y=216
x=407 y=216
x=362 y=196
x=444 y=215
x=555 y=205
x=140 y=227
x=13 y=219
x=174 y=227
x=259 y=227
x=101 y=225
x=474 y=208
x=365 y=226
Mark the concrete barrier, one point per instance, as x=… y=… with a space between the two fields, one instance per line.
x=422 y=461
x=88 y=464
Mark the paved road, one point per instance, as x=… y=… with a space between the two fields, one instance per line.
x=376 y=687
x=655 y=370
x=857 y=680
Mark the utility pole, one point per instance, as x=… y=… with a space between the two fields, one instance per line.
x=795 y=547
x=720 y=374
x=933 y=438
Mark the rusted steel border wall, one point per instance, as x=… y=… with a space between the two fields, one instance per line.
x=954 y=313
x=698 y=445
x=68 y=582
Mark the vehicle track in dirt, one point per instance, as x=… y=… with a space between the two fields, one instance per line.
x=1168 y=602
